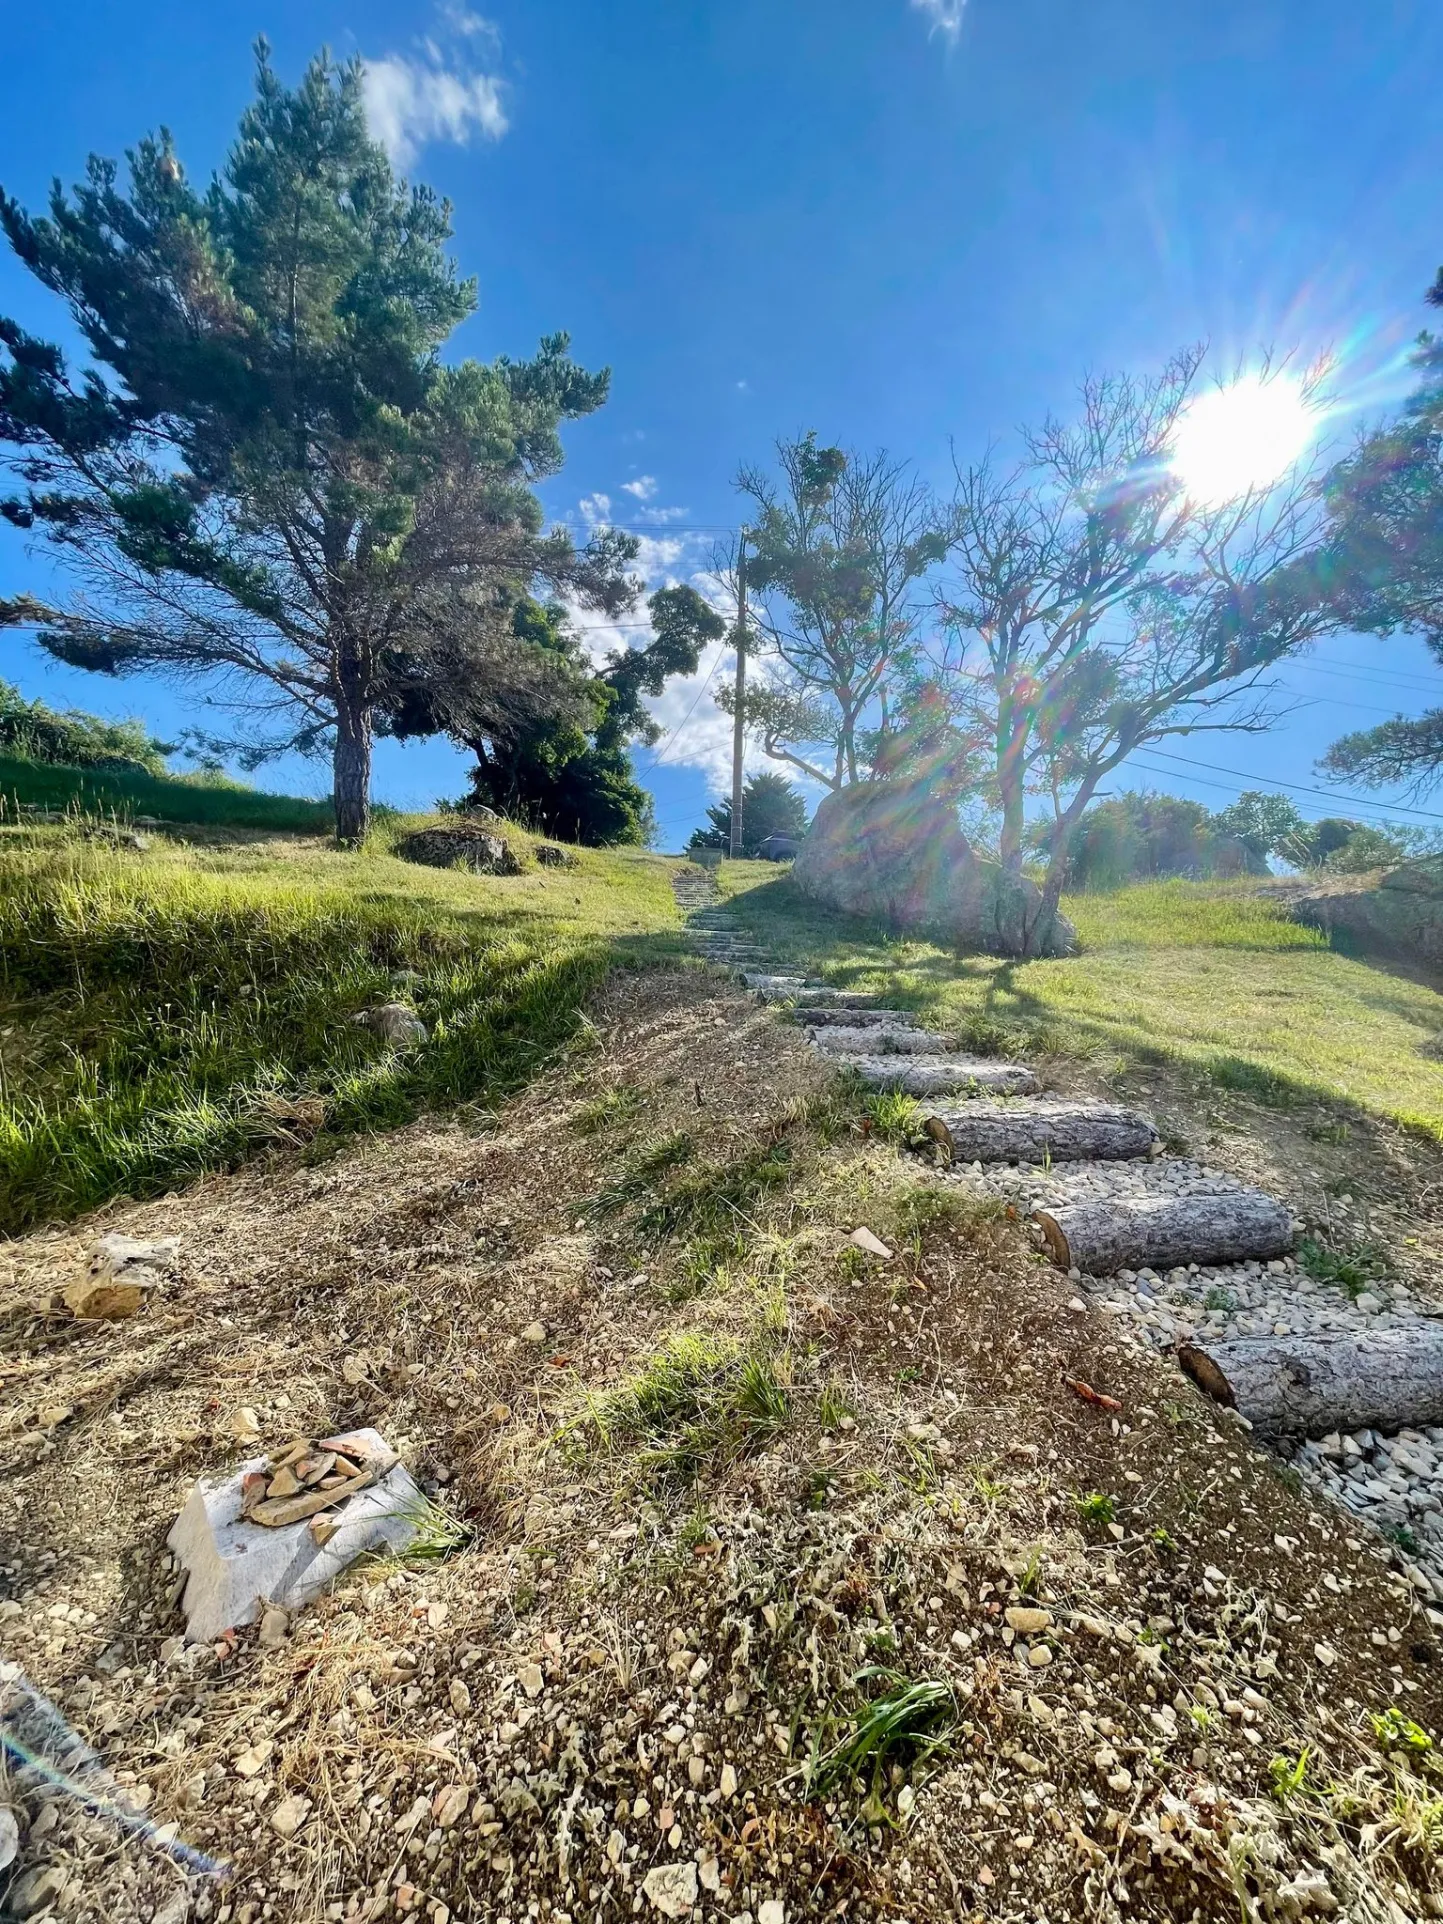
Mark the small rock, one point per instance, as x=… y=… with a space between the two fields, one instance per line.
x=460 y=1695
x=36 y=1891
x=773 y=1911
x=1368 y=1304
x=672 y=1889
x=1028 y=1621
x=534 y=1333
x=531 y=1679
x=92 y=1301
x=245 y=1426
x=396 y=1023
x=251 y=1762
x=450 y=1805
x=275 y=1628
x=289 y=1814
x=728 y=1781
x=9 y=1837
x=862 y=1238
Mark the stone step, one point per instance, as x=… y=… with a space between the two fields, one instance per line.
x=942 y=1075
x=1043 y=1130
x=825 y=1018
x=884 y=1038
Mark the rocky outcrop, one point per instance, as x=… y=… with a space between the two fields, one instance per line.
x=459 y=845
x=894 y=853
x=1399 y=915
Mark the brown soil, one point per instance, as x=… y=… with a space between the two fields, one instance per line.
x=652 y=1633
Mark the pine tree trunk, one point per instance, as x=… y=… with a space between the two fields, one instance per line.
x=351 y=789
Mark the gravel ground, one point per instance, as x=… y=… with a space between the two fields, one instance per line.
x=1395 y=1483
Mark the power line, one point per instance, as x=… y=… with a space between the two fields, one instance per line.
x=1297 y=788
x=669 y=739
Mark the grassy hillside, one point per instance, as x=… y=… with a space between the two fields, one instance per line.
x=168 y=1013
x=1211 y=975
x=128 y=792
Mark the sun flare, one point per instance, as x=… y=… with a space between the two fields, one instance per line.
x=1243 y=436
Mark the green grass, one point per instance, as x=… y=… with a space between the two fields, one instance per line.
x=1213 y=976
x=126 y=793
x=702 y=1400
x=170 y=1013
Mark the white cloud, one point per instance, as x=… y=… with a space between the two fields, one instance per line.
x=945 y=15
x=660 y=516
x=643 y=487
x=439 y=93
x=595 y=508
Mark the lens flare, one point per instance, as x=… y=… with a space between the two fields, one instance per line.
x=1241 y=437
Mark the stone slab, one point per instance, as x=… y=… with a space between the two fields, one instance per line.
x=234 y=1568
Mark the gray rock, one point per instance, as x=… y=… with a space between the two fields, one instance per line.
x=895 y=853
x=550 y=856
x=459 y=846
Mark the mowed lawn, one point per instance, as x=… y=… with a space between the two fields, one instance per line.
x=1213 y=975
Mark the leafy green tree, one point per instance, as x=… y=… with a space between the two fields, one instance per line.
x=574 y=778
x=1384 y=567
x=841 y=545
x=38 y=733
x=267 y=477
x=1094 y=606
x=1265 y=824
x=770 y=806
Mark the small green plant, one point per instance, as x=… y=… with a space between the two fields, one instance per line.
x=1353 y=1269
x=699 y=1400
x=909 y=1373
x=893 y=1117
x=1096 y=1508
x=641 y=1173
x=1289 y=1776
x=1029 y=1578
x=1394 y=1731
x=1400 y=1534
x=610 y=1110
x=1163 y=1542
x=1336 y=1133
x=833 y=1405
x=904 y=1725
x=1220 y=1298
x=438 y=1534
x=1201 y=1716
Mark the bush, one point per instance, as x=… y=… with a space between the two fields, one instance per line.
x=31 y=731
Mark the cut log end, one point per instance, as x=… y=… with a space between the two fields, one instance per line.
x=1205 y=1373
x=1054 y=1237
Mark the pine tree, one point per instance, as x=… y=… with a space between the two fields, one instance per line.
x=268 y=476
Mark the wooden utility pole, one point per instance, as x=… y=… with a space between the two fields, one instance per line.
x=738 y=731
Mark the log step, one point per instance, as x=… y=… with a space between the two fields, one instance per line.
x=1310 y=1386
x=1165 y=1231
x=885 y=1038
x=942 y=1076
x=1056 y=1131
x=809 y=995
x=823 y=1018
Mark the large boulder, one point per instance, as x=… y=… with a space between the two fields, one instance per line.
x=462 y=845
x=894 y=852
x=1398 y=916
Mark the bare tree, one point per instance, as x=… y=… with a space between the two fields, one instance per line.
x=1096 y=606
x=841 y=546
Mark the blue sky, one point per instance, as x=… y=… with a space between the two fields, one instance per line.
x=908 y=223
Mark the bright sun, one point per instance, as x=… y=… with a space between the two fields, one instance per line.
x=1243 y=436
